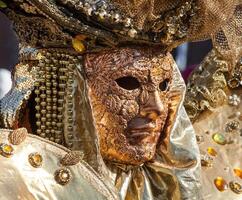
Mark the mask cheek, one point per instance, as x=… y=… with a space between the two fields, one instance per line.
x=129 y=110
x=113 y=103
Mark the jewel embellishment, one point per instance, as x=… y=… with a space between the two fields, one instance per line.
x=36 y=160
x=211 y=151
x=63 y=176
x=235 y=187
x=219 y=139
x=232 y=126
x=221 y=184
x=206 y=161
x=234 y=100
x=6 y=150
x=238 y=172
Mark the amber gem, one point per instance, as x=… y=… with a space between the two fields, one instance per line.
x=6 y=150
x=219 y=139
x=211 y=151
x=78 y=45
x=220 y=184
x=238 y=172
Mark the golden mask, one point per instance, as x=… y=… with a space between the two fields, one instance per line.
x=129 y=94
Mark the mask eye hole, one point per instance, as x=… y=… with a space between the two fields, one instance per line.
x=128 y=83
x=164 y=85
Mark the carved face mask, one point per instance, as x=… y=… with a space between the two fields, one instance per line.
x=129 y=94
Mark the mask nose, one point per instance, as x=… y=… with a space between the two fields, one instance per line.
x=154 y=107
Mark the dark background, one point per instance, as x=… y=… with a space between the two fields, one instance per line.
x=8 y=44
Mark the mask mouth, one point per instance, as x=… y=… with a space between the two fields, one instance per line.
x=139 y=129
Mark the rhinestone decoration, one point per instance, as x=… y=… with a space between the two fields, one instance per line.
x=221 y=184
x=211 y=151
x=219 y=138
x=234 y=100
x=235 y=187
x=238 y=172
x=6 y=150
x=232 y=126
x=36 y=160
x=63 y=176
x=206 y=161
x=199 y=139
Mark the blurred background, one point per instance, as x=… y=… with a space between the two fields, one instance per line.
x=187 y=56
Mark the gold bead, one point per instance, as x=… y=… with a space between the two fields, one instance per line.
x=60 y=101
x=48 y=76
x=37 y=107
x=70 y=120
x=57 y=132
x=43 y=119
x=43 y=96
x=59 y=117
x=37 y=115
x=38 y=131
x=70 y=136
x=36 y=91
x=54 y=116
x=61 y=93
x=48 y=92
x=36 y=83
x=42 y=127
x=48 y=123
x=60 y=109
x=43 y=103
x=43 y=111
x=37 y=99
x=70 y=128
x=43 y=135
x=48 y=108
x=42 y=87
x=38 y=123
x=59 y=124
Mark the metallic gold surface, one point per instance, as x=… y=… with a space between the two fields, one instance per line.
x=219 y=124
x=19 y=180
x=174 y=171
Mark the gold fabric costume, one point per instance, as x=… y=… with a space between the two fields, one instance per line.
x=69 y=86
x=21 y=179
x=173 y=173
x=215 y=106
